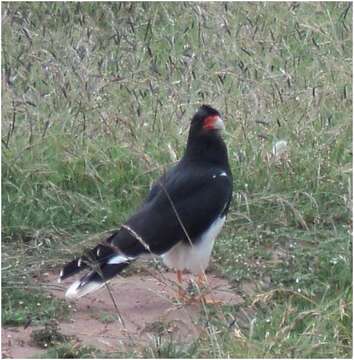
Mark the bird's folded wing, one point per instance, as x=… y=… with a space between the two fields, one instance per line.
x=181 y=209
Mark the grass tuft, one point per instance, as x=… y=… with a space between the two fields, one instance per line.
x=30 y=306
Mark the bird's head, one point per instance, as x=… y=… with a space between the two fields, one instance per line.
x=206 y=120
x=204 y=141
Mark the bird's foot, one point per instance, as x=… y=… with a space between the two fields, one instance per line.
x=202 y=298
x=209 y=300
x=201 y=280
x=187 y=297
x=182 y=295
x=199 y=292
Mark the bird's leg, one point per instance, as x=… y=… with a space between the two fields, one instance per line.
x=202 y=283
x=179 y=276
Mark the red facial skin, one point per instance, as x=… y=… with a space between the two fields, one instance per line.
x=209 y=122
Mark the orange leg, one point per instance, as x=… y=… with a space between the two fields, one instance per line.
x=179 y=277
x=202 y=282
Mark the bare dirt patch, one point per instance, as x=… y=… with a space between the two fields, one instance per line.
x=146 y=303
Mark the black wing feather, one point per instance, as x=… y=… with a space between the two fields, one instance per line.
x=199 y=195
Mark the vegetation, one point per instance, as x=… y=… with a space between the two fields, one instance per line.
x=48 y=336
x=30 y=306
x=71 y=350
x=96 y=104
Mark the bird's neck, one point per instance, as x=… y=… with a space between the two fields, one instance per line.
x=208 y=148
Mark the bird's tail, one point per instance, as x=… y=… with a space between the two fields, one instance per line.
x=104 y=261
x=94 y=280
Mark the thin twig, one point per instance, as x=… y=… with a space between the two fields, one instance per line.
x=137 y=237
x=120 y=318
x=12 y=127
x=175 y=211
x=179 y=219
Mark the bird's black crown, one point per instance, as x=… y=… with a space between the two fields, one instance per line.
x=202 y=113
x=198 y=121
x=206 y=110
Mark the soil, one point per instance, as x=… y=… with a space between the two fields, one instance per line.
x=147 y=304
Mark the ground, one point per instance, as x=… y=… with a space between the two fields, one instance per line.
x=147 y=304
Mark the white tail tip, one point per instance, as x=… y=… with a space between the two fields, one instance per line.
x=76 y=292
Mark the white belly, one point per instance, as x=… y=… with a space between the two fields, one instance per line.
x=194 y=258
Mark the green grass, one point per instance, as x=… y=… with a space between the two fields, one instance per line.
x=48 y=336
x=96 y=101
x=24 y=307
x=106 y=317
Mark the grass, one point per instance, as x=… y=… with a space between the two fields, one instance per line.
x=24 y=307
x=96 y=101
x=48 y=336
x=70 y=351
x=107 y=318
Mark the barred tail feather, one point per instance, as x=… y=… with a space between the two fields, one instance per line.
x=104 y=262
x=77 y=290
x=93 y=280
x=101 y=253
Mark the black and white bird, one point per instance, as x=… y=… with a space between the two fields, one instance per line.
x=179 y=220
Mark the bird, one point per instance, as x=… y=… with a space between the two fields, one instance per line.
x=179 y=220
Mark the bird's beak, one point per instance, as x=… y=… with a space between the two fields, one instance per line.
x=214 y=123
x=219 y=124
